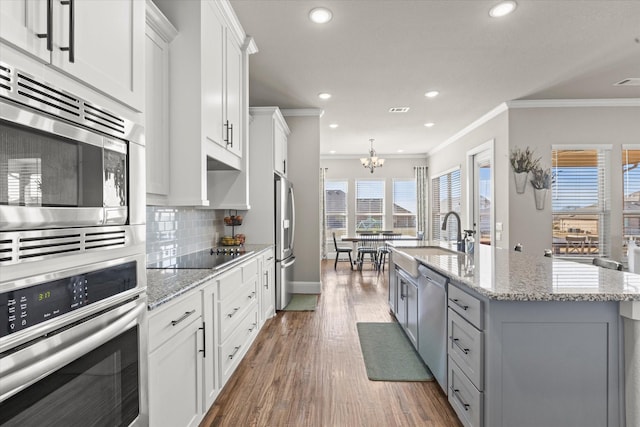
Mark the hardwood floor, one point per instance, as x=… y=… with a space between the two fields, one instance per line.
x=306 y=369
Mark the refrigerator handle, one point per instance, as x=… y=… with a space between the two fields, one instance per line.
x=289 y=263
x=293 y=217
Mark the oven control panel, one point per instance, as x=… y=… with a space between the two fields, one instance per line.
x=29 y=306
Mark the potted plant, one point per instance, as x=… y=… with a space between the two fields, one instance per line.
x=541 y=181
x=522 y=162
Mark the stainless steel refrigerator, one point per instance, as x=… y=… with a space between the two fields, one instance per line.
x=285 y=234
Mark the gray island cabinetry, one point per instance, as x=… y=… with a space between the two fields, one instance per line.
x=533 y=341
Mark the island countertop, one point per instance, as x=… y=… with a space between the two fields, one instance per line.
x=500 y=274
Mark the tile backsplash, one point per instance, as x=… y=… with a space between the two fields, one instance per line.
x=175 y=231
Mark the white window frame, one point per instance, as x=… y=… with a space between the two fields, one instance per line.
x=409 y=214
x=436 y=217
x=382 y=204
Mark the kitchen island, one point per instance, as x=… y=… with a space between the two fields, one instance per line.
x=535 y=341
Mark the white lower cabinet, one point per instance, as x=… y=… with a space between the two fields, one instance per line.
x=197 y=340
x=267 y=287
x=175 y=363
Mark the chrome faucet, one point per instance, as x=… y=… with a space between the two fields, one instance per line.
x=459 y=241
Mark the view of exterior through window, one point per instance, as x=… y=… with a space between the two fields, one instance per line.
x=446 y=192
x=336 y=208
x=580 y=204
x=370 y=205
x=631 y=188
x=404 y=206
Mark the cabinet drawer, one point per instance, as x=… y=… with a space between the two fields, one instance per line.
x=231 y=312
x=168 y=321
x=232 y=350
x=465 y=346
x=466 y=306
x=268 y=256
x=466 y=400
x=249 y=269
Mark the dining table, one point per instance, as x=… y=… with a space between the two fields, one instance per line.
x=377 y=241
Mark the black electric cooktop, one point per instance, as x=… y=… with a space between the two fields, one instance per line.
x=213 y=258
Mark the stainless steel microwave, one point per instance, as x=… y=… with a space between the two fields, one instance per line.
x=64 y=162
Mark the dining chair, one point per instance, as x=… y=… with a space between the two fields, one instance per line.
x=341 y=250
x=368 y=245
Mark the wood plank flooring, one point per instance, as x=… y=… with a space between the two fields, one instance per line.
x=306 y=369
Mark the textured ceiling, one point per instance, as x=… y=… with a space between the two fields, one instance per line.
x=377 y=54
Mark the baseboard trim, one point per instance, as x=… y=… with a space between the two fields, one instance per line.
x=306 y=287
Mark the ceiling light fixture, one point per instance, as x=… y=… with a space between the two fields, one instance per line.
x=503 y=8
x=432 y=94
x=324 y=95
x=333 y=125
x=332 y=152
x=429 y=125
x=372 y=161
x=320 y=15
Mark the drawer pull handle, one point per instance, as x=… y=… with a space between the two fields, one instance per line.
x=235 y=310
x=235 y=350
x=457 y=302
x=184 y=316
x=455 y=341
x=251 y=295
x=270 y=258
x=456 y=394
x=253 y=326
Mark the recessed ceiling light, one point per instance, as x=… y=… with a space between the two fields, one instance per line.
x=332 y=152
x=503 y=8
x=333 y=125
x=324 y=95
x=320 y=15
x=400 y=151
x=432 y=94
x=429 y=125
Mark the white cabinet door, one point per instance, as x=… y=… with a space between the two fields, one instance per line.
x=213 y=42
x=175 y=379
x=22 y=24
x=268 y=292
x=159 y=34
x=211 y=381
x=103 y=45
x=99 y=42
x=233 y=96
x=280 y=149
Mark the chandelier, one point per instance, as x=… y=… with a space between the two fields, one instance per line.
x=372 y=161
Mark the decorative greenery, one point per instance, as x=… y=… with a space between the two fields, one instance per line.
x=523 y=161
x=541 y=178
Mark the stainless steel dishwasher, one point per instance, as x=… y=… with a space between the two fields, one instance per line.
x=432 y=318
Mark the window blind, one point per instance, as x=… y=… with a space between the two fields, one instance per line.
x=580 y=205
x=446 y=191
x=336 y=193
x=404 y=206
x=370 y=205
x=631 y=189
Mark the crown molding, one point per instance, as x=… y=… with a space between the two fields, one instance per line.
x=357 y=157
x=561 y=103
x=300 y=112
x=467 y=129
x=159 y=23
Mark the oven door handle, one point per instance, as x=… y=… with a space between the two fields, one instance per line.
x=17 y=380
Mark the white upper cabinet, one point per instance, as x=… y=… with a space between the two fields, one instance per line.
x=98 y=42
x=280 y=146
x=208 y=109
x=159 y=35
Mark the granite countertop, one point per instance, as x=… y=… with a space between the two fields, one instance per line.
x=501 y=274
x=165 y=284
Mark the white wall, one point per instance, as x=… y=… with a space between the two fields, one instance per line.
x=455 y=155
x=304 y=173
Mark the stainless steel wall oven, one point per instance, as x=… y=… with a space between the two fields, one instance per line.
x=72 y=260
x=73 y=348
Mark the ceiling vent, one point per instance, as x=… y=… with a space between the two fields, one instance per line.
x=632 y=81
x=398 y=109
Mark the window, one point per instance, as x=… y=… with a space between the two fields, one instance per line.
x=579 y=203
x=369 y=205
x=446 y=194
x=404 y=206
x=336 y=208
x=631 y=188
